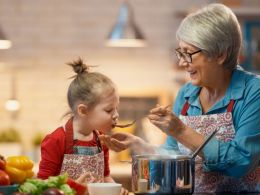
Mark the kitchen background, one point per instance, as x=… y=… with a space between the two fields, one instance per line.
x=46 y=34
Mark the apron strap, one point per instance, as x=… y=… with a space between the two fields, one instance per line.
x=69 y=140
x=187 y=105
x=230 y=105
x=68 y=137
x=99 y=146
x=185 y=108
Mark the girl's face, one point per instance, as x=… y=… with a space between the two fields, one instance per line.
x=103 y=116
x=202 y=70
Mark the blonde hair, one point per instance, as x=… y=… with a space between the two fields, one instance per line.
x=87 y=87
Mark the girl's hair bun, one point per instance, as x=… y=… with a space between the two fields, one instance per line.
x=79 y=67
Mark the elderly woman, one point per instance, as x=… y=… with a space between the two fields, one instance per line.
x=220 y=96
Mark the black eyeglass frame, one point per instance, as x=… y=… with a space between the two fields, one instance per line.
x=184 y=55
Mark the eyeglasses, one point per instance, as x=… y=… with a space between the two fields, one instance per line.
x=185 y=55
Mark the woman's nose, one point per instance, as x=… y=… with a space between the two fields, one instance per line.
x=182 y=63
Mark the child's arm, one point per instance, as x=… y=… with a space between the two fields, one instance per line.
x=51 y=156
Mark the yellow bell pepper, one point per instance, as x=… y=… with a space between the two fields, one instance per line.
x=19 y=168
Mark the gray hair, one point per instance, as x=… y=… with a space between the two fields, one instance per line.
x=215 y=30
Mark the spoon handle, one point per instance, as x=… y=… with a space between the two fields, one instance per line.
x=203 y=144
x=126 y=125
x=126 y=161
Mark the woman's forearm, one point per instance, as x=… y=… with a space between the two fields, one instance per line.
x=188 y=137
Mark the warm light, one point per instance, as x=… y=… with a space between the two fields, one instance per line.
x=5 y=44
x=12 y=105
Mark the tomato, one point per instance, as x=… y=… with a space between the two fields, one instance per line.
x=4 y=178
x=2 y=164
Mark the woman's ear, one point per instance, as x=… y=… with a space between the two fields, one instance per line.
x=82 y=109
x=221 y=59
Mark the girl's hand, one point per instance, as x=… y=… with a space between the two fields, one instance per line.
x=86 y=178
x=124 y=191
x=80 y=184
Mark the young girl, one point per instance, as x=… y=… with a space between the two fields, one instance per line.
x=75 y=147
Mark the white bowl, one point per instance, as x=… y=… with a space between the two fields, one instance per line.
x=104 y=188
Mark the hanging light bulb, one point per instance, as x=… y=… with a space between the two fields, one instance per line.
x=4 y=42
x=125 y=32
x=12 y=104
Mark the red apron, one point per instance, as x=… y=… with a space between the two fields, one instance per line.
x=211 y=182
x=76 y=164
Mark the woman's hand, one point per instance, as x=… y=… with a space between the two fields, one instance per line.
x=121 y=141
x=165 y=120
x=118 y=141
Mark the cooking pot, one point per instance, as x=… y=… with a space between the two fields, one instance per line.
x=165 y=174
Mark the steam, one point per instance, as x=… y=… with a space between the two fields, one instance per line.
x=167 y=151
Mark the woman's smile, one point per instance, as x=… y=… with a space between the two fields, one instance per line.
x=193 y=74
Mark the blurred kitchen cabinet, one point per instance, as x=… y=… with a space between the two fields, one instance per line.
x=137 y=106
x=250 y=55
